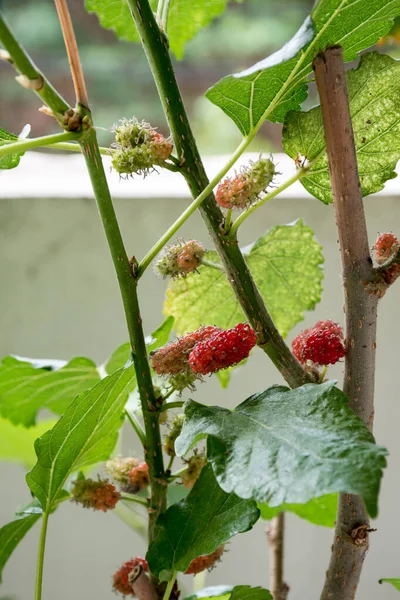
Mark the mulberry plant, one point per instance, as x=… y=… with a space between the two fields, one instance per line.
x=303 y=443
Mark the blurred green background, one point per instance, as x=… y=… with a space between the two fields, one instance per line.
x=119 y=80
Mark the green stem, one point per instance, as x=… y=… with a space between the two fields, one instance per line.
x=164 y=239
x=40 y=558
x=211 y=265
x=168 y=405
x=26 y=67
x=136 y=426
x=228 y=220
x=170 y=463
x=46 y=140
x=241 y=218
x=170 y=585
x=128 y=288
x=155 y=44
x=77 y=148
x=132 y=498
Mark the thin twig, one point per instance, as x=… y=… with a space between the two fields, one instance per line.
x=351 y=533
x=275 y=535
x=72 y=51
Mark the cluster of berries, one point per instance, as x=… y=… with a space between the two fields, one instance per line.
x=246 y=186
x=201 y=563
x=207 y=350
x=180 y=259
x=138 y=148
x=387 y=247
x=99 y=495
x=323 y=344
x=131 y=474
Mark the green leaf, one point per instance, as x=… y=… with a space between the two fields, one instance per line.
x=11 y=535
x=198 y=525
x=374 y=96
x=185 y=19
x=225 y=592
x=17 y=443
x=122 y=355
x=10 y=161
x=320 y=511
x=285 y=264
x=25 y=389
x=395 y=582
x=85 y=434
x=278 y=84
x=288 y=446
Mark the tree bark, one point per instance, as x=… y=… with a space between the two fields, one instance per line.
x=360 y=305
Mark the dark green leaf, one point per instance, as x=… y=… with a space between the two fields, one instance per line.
x=395 y=582
x=84 y=435
x=10 y=161
x=239 y=592
x=11 y=535
x=374 y=96
x=288 y=446
x=320 y=511
x=17 y=442
x=122 y=355
x=285 y=264
x=185 y=19
x=278 y=84
x=198 y=525
x=25 y=389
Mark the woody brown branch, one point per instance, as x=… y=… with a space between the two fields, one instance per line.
x=351 y=533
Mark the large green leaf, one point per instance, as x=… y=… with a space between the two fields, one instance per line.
x=122 y=354
x=198 y=525
x=395 y=582
x=285 y=264
x=85 y=434
x=185 y=19
x=374 y=95
x=288 y=446
x=11 y=535
x=10 y=161
x=17 y=442
x=320 y=511
x=278 y=84
x=226 y=592
x=25 y=389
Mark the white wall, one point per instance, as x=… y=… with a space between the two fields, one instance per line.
x=59 y=298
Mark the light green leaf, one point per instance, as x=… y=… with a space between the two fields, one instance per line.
x=11 y=535
x=320 y=511
x=198 y=525
x=122 y=355
x=10 y=161
x=17 y=442
x=225 y=592
x=285 y=264
x=185 y=19
x=288 y=446
x=25 y=389
x=278 y=84
x=374 y=96
x=85 y=434
x=395 y=582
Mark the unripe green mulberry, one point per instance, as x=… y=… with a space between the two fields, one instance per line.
x=138 y=148
x=245 y=188
x=169 y=440
x=180 y=259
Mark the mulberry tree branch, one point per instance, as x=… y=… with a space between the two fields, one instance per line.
x=351 y=533
x=155 y=44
